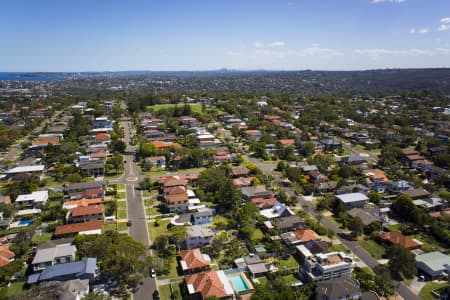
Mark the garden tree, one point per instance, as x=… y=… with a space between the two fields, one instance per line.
x=210 y=180
x=145 y=184
x=216 y=246
x=74 y=177
x=356 y=226
x=147 y=149
x=115 y=162
x=307 y=149
x=118 y=146
x=259 y=150
x=161 y=244
x=6 y=210
x=228 y=196
x=11 y=269
x=404 y=207
x=373 y=227
x=21 y=244
x=322 y=161
x=384 y=285
x=119 y=256
x=55 y=211
x=401 y=261
x=375 y=197
x=365 y=277
x=177 y=235
x=281 y=166
x=43 y=291
x=277 y=288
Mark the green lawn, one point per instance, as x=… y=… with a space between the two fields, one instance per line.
x=396 y=227
x=375 y=249
x=121 y=205
x=289 y=263
x=425 y=292
x=45 y=236
x=290 y=279
x=338 y=248
x=172 y=271
x=158 y=230
x=122 y=214
x=155 y=108
x=153 y=211
x=109 y=227
x=121 y=195
x=164 y=291
x=15 y=288
x=120 y=186
x=148 y=202
x=122 y=226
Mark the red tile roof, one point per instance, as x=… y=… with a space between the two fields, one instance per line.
x=194 y=259
x=5 y=255
x=288 y=142
x=87 y=210
x=84 y=202
x=77 y=227
x=396 y=237
x=102 y=136
x=262 y=203
x=306 y=235
x=207 y=284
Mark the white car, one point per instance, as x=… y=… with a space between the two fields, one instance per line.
x=153 y=273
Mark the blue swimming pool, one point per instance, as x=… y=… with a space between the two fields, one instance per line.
x=238 y=282
x=25 y=222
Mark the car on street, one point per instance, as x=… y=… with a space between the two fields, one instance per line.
x=156 y=295
x=129 y=223
x=152 y=273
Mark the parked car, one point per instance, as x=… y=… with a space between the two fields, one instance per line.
x=129 y=223
x=153 y=273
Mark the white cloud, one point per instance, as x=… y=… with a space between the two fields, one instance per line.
x=258 y=45
x=290 y=3
x=420 y=30
x=423 y=30
x=445 y=24
x=412 y=30
x=404 y=52
x=392 y=1
x=233 y=53
x=277 y=44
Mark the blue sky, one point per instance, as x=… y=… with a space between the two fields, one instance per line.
x=106 y=35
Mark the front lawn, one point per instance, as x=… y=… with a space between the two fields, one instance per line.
x=109 y=227
x=173 y=273
x=15 y=288
x=45 y=236
x=375 y=249
x=338 y=248
x=122 y=226
x=289 y=263
x=164 y=291
x=425 y=292
x=220 y=221
x=122 y=214
x=121 y=205
x=156 y=231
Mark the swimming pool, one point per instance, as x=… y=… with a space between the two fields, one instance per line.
x=23 y=223
x=238 y=282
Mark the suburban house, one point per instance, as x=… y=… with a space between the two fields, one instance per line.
x=257 y=191
x=82 y=202
x=177 y=202
x=154 y=134
x=252 y=264
x=277 y=211
x=35 y=199
x=337 y=289
x=201 y=216
x=417 y=194
x=87 y=213
x=209 y=284
x=330 y=145
x=396 y=237
x=240 y=172
x=435 y=265
x=352 y=200
x=376 y=180
x=367 y=216
x=80 y=187
x=198 y=236
x=83 y=269
x=6 y=255
x=93 y=227
x=156 y=161
x=93 y=168
x=37 y=170
x=59 y=254
x=194 y=261
x=253 y=134
x=288 y=223
x=301 y=236
x=324 y=266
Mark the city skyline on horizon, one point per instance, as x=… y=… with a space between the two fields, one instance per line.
x=201 y=35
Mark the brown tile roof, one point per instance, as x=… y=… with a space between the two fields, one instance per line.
x=175 y=190
x=176 y=197
x=242 y=181
x=102 y=136
x=172 y=183
x=396 y=237
x=240 y=171
x=84 y=202
x=287 y=142
x=262 y=203
x=194 y=258
x=77 y=227
x=306 y=235
x=207 y=284
x=162 y=144
x=90 y=193
x=376 y=174
x=87 y=210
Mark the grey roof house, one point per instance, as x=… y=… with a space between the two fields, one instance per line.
x=47 y=257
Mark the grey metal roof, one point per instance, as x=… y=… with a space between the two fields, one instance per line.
x=352 y=197
x=434 y=260
x=49 y=254
x=85 y=266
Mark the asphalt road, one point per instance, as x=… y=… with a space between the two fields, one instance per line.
x=136 y=212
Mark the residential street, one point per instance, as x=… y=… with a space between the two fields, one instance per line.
x=136 y=211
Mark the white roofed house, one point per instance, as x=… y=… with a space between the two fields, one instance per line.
x=198 y=236
x=352 y=200
x=35 y=199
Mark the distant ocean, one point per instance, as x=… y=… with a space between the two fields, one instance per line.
x=19 y=76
